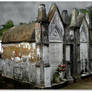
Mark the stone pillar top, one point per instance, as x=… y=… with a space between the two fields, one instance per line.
x=41 y=13
x=65 y=16
x=87 y=18
x=74 y=17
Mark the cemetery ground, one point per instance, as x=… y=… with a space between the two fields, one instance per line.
x=7 y=83
x=84 y=83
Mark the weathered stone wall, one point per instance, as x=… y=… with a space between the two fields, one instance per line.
x=84 y=56
x=22 y=71
x=84 y=47
x=20 y=50
x=19 y=61
x=56 y=33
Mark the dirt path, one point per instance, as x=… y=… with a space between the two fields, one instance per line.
x=81 y=84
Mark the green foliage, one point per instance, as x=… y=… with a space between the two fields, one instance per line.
x=77 y=11
x=70 y=17
x=89 y=9
x=56 y=77
x=83 y=11
x=90 y=13
x=6 y=26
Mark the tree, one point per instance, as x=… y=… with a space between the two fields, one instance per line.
x=8 y=24
x=89 y=9
x=83 y=11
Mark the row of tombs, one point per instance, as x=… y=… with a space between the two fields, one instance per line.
x=49 y=50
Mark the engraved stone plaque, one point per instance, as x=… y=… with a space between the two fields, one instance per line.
x=55 y=53
x=67 y=53
x=47 y=77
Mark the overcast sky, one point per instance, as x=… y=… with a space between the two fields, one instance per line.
x=27 y=11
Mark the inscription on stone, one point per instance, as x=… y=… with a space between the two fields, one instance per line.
x=47 y=77
x=56 y=53
x=67 y=53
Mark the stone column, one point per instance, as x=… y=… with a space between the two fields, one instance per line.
x=68 y=62
x=69 y=77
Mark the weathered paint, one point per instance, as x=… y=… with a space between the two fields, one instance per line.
x=22 y=49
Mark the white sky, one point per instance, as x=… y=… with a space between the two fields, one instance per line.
x=27 y=11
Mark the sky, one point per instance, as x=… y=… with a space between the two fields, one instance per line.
x=27 y=11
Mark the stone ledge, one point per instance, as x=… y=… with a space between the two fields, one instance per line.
x=54 y=85
x=59 y=85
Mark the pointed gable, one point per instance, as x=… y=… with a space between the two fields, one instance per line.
x=76 y=19
x=56 y=29
x=51 y=12
x=84 y=33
